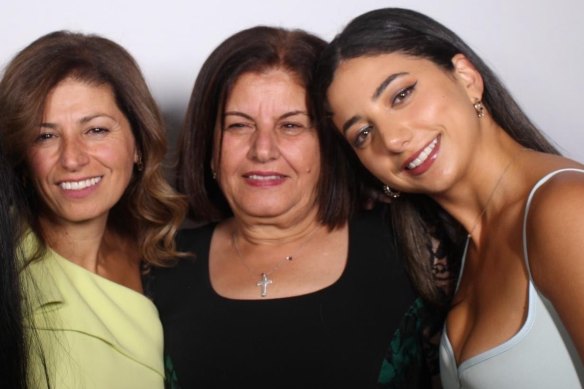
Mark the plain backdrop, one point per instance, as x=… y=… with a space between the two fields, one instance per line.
x=536 y=47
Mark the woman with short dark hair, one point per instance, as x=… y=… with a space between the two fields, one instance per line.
x=290 y=285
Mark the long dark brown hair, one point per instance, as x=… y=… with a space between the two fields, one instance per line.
x=391 y=30
x=13 y=355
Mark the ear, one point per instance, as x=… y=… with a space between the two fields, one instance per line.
x=468 y=77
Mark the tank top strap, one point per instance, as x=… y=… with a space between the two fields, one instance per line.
x=538 y=185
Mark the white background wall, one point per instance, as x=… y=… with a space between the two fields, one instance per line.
x=536 y=47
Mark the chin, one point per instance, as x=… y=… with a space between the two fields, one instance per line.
x=267 y=210
x=263 y=213
x=83 y=217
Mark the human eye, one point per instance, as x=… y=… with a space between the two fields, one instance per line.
x=361 y=136
x=238 y=126
x=44 y=136
x=97 y=131
x=292 y=127
x=403 y=94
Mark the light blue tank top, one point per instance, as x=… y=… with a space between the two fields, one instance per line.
x=540 y=355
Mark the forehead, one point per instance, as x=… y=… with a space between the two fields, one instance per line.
x=358 y=79
x=273 y=85
x=72 y=89
x=368 y=68
x=266 y=78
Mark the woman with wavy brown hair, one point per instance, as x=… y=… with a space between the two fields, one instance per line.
x=82 y=130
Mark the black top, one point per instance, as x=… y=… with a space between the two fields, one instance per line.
x=333 y=338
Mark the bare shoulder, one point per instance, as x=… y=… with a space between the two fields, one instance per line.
x=555 y=245
x=555 y=227
x=564 y=191
x=564 y=185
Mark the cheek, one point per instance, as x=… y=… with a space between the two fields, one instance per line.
x=312 y=167
x=121 y=158
x=233 y=152
x=121 y=155
x=306 y=155
x=428 y=108
x=451 y=105
x=39 y=164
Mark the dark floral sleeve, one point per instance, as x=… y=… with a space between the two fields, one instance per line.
x=171 y=379
x=411 y=360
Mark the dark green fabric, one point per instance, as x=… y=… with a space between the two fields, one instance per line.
x=411 y=360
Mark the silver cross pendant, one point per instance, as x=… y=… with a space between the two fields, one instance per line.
x=263 y=284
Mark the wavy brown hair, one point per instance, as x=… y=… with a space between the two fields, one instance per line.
x=150 y=211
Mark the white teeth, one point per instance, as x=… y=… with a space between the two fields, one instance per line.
x=423 y=155
x=257 y=177
x=78 y=185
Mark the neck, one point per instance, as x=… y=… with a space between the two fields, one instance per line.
x=270 y=232
x=97 y=249
x=267 y=247
x=80 y=243
x=488 y=186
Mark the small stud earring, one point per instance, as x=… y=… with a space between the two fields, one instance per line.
x=139 y=163
x=479 y=108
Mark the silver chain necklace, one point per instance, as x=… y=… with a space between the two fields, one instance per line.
x=490 y=197
x=265 y=280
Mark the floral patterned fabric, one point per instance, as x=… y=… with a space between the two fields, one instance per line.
x=411 y=360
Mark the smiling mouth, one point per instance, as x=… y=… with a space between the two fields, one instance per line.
x=263 y=178
x=79 y=185
x=423 y=155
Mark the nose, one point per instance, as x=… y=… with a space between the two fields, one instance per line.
x=73 y=153
x=264 y=145
x=395 y=138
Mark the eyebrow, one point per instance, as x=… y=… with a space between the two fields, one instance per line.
x=283 y=116
x=294 y=113
x=381 y=88
x=349 y=123
x=378 y=91
x=237 y=113
x=83 y=120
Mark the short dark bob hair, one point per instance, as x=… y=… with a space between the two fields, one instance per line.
x=254 y=50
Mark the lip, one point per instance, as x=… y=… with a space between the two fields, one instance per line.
x=422 y=160
x=264 y=179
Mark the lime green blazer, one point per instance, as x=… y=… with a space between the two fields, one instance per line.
x=89 y=331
